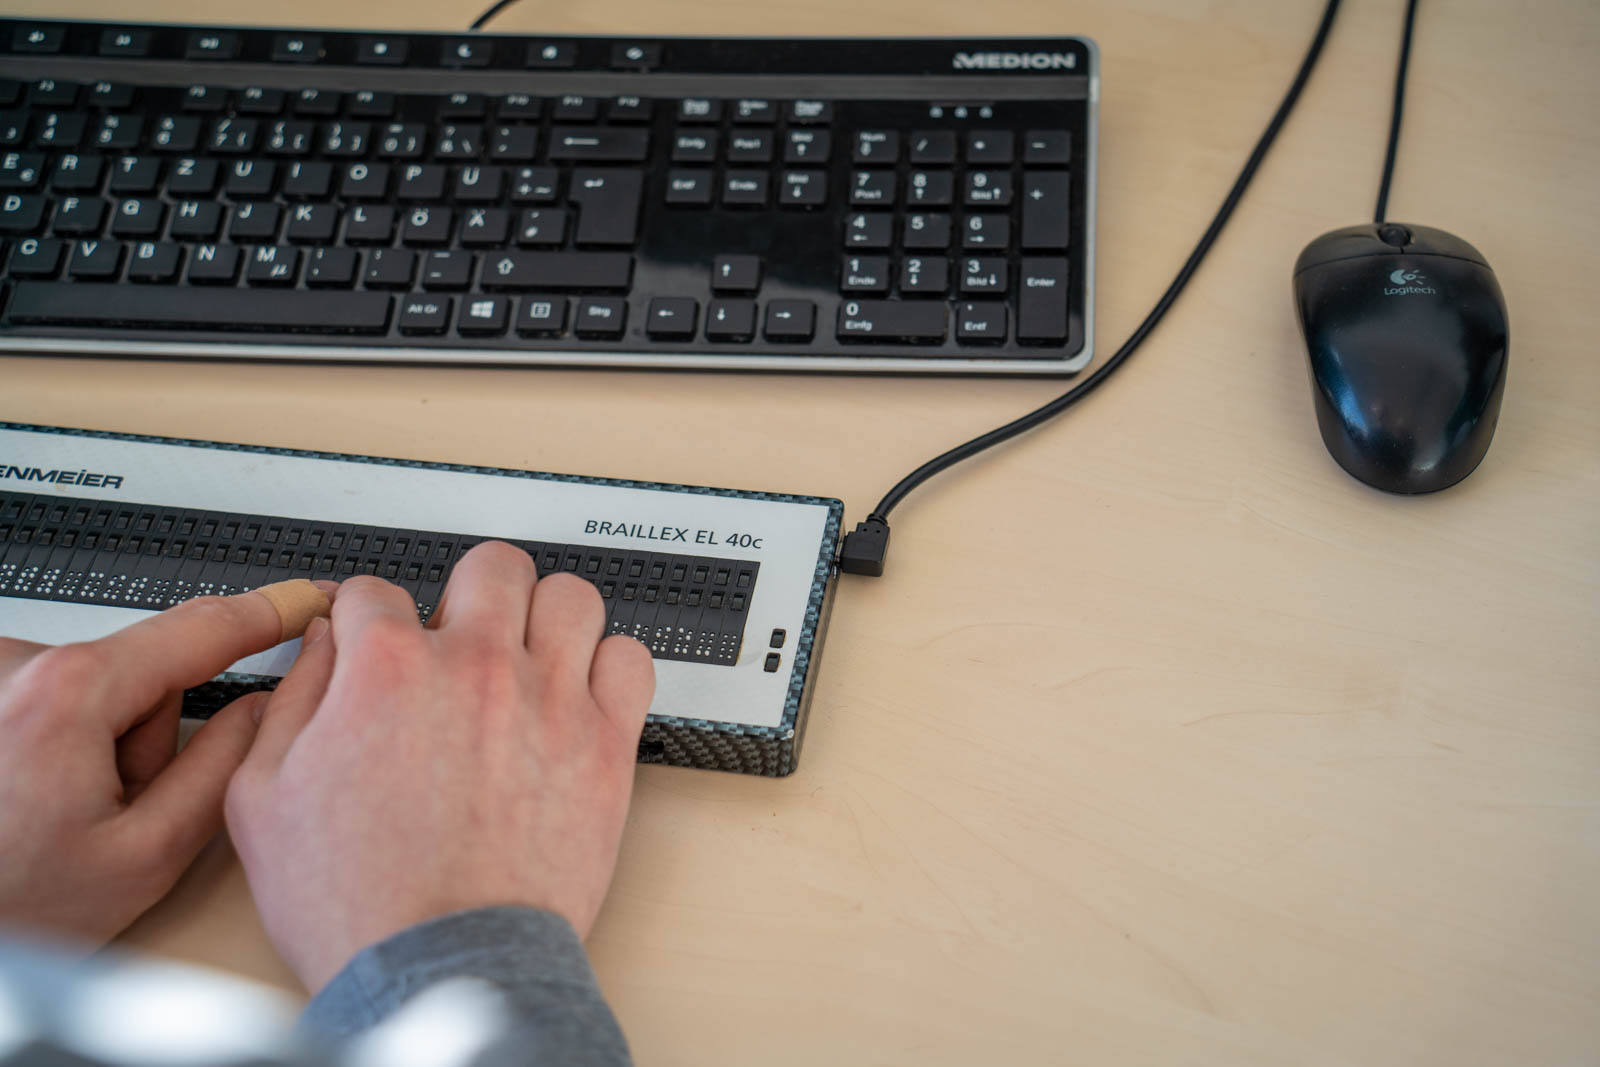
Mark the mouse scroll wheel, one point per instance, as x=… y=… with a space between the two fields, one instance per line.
x=1390 y=234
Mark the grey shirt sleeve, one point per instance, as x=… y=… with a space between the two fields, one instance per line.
x=534 y=959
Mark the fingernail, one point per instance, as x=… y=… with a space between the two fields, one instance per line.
x=314 y=632
x=258 y=708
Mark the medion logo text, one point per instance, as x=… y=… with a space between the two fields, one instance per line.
x=37 y=474
x=1016 y=61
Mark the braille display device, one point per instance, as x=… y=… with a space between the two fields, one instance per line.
x=728 y=589
x=839 y=205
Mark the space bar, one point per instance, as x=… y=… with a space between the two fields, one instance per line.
x=153 y=307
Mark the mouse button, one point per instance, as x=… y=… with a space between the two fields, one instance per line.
x=1428 y=241
x=1347 y=243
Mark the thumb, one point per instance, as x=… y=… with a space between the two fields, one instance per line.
x=182 y=808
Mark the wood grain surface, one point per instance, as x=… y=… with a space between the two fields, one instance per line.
x=1162 y=740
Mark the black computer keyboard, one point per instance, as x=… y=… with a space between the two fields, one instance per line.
x=889 y=205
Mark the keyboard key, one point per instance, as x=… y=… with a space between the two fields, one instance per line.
x=810 y=112
x=574 y=108
x=989 y=147
x=880 y=147
x=542 y=226
x=273 y=265
x=213 y=265
x=807 y=146
x=601 y=317
x=981 y=323
x=925 y=276
x=803 y=188
x=864 y=274
x=671 y=318
x=699 y=109
x=933 y=146
x=76 y=174
x=926 y=231
x=542 y=316
x=983 y=274
x=750 y=146
x=447 y=270
x=689 y=187
x=465 y=53
x=196 y=220
x=484 y=316
x=514 y=144
x=745 y=188
x=258 y=101
x=21 y=170
x=296 y=47
x=891 y=320
x=35 y=257
x=205 y=99
x=154 y=262
x=485 y=227
x=421 y=181
x=390 y=268
x=60 y=303
x=38 y=40
x=95 y=260
x=308 y=181
x=254 y=222
x=694 y=147
x=1042 y=301
x=751 y=112
x=635 y=56
x=731 y=320
x=534 y=185
x=736 y=274
x=79 y=216
x=985 y=231
x=988 y=187
x=1044 y=210
x=557 y=270
x=630 y=109
x=424 y=315
x=600 y=144
x=53 y=92
x=552 y=55
x=791 y=320
x=930 y=188
x=138 y=217
x=427 y=226
x=608 y=203
x=868 y=229
x=370 y=224
x=873 y=187
x=382 y=51
x=201 y=44
x=332 y=267
x=1047 y=147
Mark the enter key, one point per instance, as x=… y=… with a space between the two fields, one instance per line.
x=1042 y=301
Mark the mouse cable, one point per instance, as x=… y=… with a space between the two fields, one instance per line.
x=865 y=547
x=1399 y=107
x=494 y=9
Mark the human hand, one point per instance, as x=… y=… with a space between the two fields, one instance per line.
x=402 y=773
x=99 y=812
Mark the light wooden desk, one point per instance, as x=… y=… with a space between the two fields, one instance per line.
x=1163 y=741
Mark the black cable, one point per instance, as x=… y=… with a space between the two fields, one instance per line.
x=1399 y=107
x=871 y=537
x=494 y=9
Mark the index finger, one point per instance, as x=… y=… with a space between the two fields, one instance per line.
x=184 y=646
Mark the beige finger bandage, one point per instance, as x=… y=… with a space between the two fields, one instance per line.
x=297 y=603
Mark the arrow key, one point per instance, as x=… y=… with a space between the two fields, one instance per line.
x=672 y=318
x=791 y=320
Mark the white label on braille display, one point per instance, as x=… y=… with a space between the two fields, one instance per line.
x=784 y=537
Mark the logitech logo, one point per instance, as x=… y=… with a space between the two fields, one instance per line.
x=1015 y=61
x=1405 y=284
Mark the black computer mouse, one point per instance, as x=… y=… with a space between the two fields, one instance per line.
x=1405 y=327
